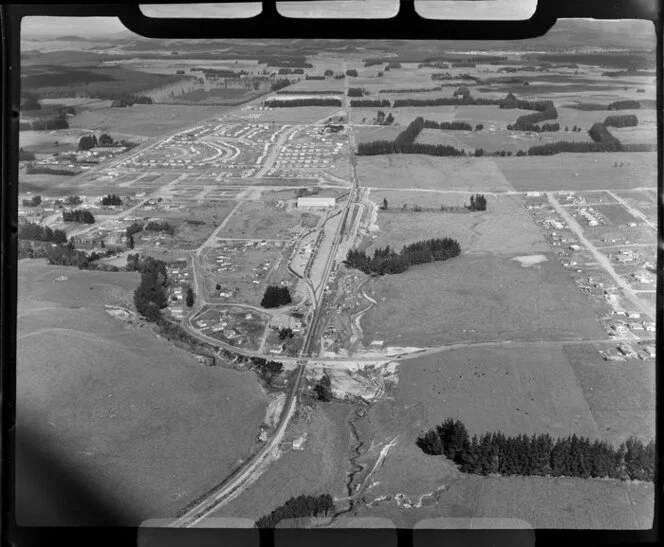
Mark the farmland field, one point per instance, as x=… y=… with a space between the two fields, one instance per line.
x=261 y=220
x=505 y=228
x=316 y=469
x=537 y=502
x=129 y=412
x=419 y=171
x=580 y=171
x=451 y=301
x=149 y=120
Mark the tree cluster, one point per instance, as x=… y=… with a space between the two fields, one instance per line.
x=355 y=92
x=312 y=77
x=571 y=456
x=280 y=84
x=111 y=199
x=160 y=226
x=628 y=120
x=35 y=232
x=546 y=127
x=34 y=201
x=309 y=101
x=25 y=156
x=624 y=105
x=302 y=506
x=283 y=71
x=559 y=147
x=600 y=134
x=351 y=72
x=393 y=64
x=477 y=203
x=267 y=370
x=285 y=333
x=106 y=140
x=87 y=142
x=134 y=229
x=386 y=261
x=276 y=296
x=404 y=143
x=33 y=169
x=370 y=102
x=462 y=126
x=189 y=298
x=412 y=90
x=78 y=215
x=445 y=101
x=323 y=388
x=45 y=124
x=381 y=119
x=127 y=99
x=462 y=91
x=510 y=101
x=150 y=297
x=73 y=200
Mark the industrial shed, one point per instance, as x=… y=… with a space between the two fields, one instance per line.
x=315 y=202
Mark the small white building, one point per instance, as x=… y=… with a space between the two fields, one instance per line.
x=315 y=202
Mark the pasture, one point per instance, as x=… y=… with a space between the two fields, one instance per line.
x=125 y=408
x=257 y=219
x=147 y=120
x=320 y=467
x=289 y=115
x=505 y=228
x=592 y=171
x=620 y=395
x=478 y=297
x=432 y=172
x=537 y=502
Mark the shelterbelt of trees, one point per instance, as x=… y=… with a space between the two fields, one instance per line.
x=313 y=101
x=369 y=102
x=627 y=120
x=404 y=143
x=302 y=506
x=386 y=261
x=570 y=456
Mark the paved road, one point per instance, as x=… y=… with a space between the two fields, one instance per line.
x=600 y=257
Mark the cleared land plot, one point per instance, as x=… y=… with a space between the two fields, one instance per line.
x=513 y=141
x=446 y=138
x=595 y=171
x=329 y=84
x=515 y=390
x=149 y=120
x=320 y=467
x=442 y=173
x=125 y=409
x=403 y=115
x=643 y=200
x=376 y=133
x=309 y=114
x=194 y=222
x=44 y=142
x=452 y=301
x=622 y=234
x=620 y=394
x=617 y=214
x=504 y=228
x=541 y=502
x=256 y=219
